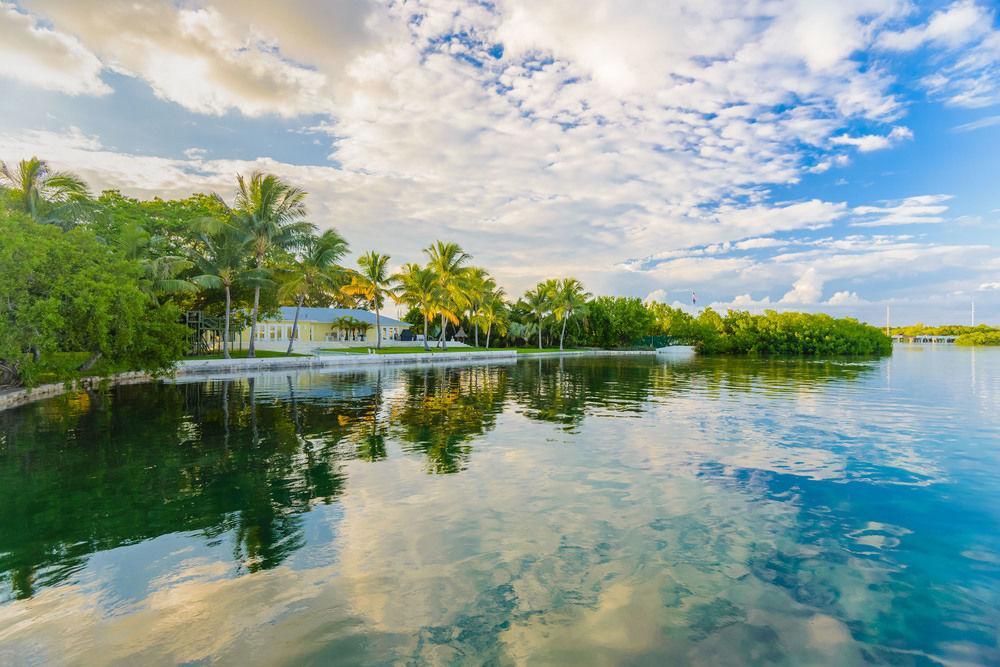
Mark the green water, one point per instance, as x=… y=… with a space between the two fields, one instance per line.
x=618 y=510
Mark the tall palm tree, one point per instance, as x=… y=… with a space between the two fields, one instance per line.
x=568 y=299
x=479 y=285
x=47 y=196
x=315 y=268
x=219 y=256
x=269 y=212
x=448 y=261
x=372 y=283
x=418 y=288
x=494 y=313
x=539 y=302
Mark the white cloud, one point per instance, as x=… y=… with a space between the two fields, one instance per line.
x=874 y=142
x=46 y=58
x=987 y=287
x=958 y=24
x=923 y=209
x=656 y=296
x=807 y=289
x=845 y=298
x=986 y=121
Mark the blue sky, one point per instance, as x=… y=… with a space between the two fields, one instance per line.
x=790 y=154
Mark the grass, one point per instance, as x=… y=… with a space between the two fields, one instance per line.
x=434 y=350
x=62 y=366
x=242 y=354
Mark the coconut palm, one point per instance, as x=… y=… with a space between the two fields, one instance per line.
x=160 y=271
x=448 y=262
x=269 y=212
x=47 y=196
x=478 y=285
x=314 y=268
x=539 y=302
x=372 y=283
x=568 y=299
x=218 y=255
x=493 y=314
x=418 y=288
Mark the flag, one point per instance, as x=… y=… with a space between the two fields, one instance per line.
x=694 y=299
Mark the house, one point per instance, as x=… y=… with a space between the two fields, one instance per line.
x=319 y=327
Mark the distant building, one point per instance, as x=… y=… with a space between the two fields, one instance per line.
x=319 y=326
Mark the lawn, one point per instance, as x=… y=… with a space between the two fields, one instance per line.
x=242 y=354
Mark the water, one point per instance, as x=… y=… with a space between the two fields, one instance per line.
x=580 y=511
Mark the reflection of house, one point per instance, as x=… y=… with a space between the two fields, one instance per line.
x=319 y=326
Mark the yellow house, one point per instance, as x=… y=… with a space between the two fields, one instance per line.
x=319 y=326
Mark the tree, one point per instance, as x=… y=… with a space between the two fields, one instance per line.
x=45 y=195
x=314 y=268
x=67 y=298
x=373 y=284
x=161 y=271
x=569 y=298
x=448 y=261
x=494 y=313
x=218 y=257
x=269 y=212
x=539 y=302
x=418 y=288
x=478 y=286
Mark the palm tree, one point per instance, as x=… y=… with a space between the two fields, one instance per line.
x=478 y=286
x=160 y=271
x=418 y=288
x=569 y=298
x=539 y=302
x=494 y=313
x=447 y=261
x=269 y=213
x=373 y=284
x=315 y=268
x=47 y=196
x=219 y=257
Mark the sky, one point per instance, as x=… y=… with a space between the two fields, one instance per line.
x=824 y=156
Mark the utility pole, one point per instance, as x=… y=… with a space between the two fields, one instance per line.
x=973 y=312
x=887 y=320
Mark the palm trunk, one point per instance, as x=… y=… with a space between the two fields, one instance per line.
x=539 y=333
x=225 y=336
x=563 y=334
x=253 y=323
x=489 y=328
x=427 y=348
x=444 y=326
x=378 y=330
x=476 y=325
x=89 y=363
x=295 y=325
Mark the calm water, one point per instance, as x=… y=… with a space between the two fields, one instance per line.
x=586 y=511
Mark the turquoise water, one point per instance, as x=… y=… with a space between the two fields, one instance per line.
x=617 y=510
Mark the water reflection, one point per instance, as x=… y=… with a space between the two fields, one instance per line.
x=611 y=509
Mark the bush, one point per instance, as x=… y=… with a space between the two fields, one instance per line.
x=979 y=338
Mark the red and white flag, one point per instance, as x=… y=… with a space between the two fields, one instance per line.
x=694 y=299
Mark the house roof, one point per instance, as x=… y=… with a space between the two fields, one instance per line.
x=328 y=315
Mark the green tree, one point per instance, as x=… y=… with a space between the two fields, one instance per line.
x=45 y=195
x=539 y=302
x=568 y=299
x=372 y=283
x=494 y=314
x=314 y=268
x=269 y=212
x=418 y=288
x=449 y=263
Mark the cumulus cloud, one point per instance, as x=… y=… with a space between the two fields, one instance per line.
x=46 y=58
x=807 y=289
x=987 y=287
x=845 y=298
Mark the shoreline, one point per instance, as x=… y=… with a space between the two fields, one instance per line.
x=207 y=367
